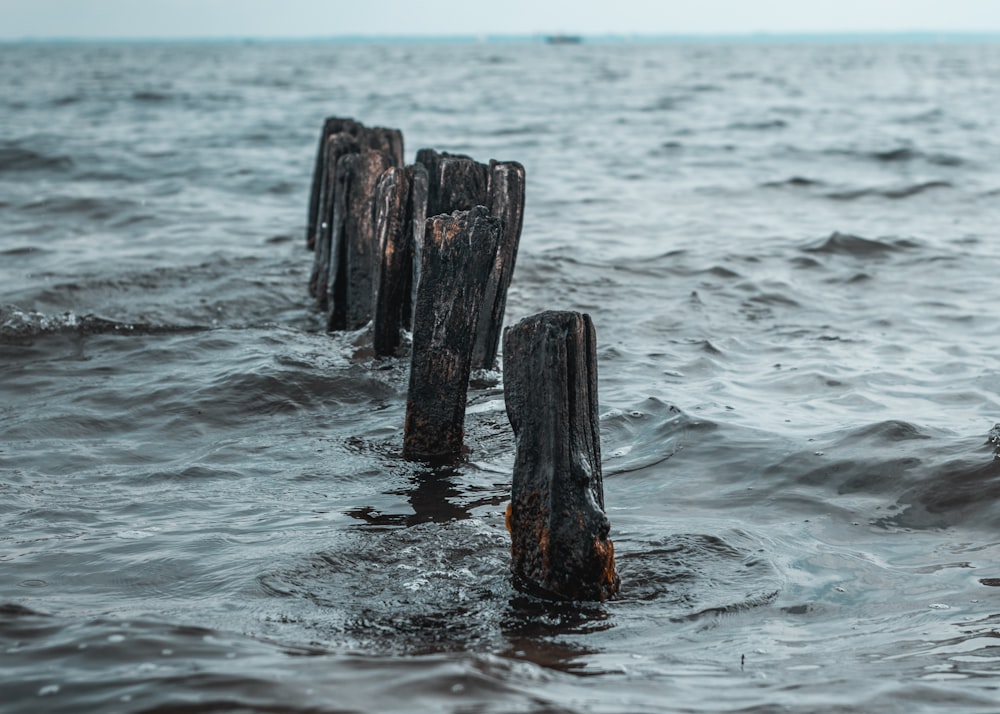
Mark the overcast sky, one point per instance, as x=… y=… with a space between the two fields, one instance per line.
x=322 y=18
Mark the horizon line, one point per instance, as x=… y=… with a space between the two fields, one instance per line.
x=760 y=35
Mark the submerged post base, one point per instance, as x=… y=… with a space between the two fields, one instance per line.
x=559 y=531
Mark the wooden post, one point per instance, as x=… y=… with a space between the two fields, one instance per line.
x=559 y=531
x=416 y=215
x=388 y=141
x=393 y=258
x=352 y=245
x=455 y=182
x=338 y=138
x=462 y=184
x=457 y=256
x=331 y=126
x=506 y=202
x=337 y=146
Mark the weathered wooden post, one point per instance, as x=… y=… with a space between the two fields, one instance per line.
x=400 y=213
x=456 y=183
x=388 y=141
x=559 y=531
x=350 y=283
x=338 y=138
x=416 y=213
x=458 y=253
x=331 y=126
x=506 y=202
x=392 y=256
x=337 y=146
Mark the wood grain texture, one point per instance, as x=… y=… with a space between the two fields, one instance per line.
x=351 y=280
x=457 y=256
x=559 y=531
x=393 y=257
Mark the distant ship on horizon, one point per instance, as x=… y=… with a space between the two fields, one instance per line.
x=563 y=39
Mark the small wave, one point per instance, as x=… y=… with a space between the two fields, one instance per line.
x=665 y=104
x=847 y=244
x=14 y=610
x=284 y=390
x=98 y=209
x=22 y=250
x=962 y=492
x=805 y=262
x=702 y=575
x=67 y=100
x=17 y=325
x=928 y=117
x=793 y=182
x=892 y=193
x=766 y=125
x=905 y=154
x=647 y=435
x=899 y=155
x=772 y=299
x=890 y=432
x=720 y=271
x=902 y=154
x=913 y=190
x=150 y=96
x=14 y=158
x=522 y=130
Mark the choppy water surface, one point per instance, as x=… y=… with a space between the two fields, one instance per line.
x=789 y=255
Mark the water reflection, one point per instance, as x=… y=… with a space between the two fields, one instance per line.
x=435 y=497
x=548 y=633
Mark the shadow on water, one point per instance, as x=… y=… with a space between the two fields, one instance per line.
x=435 y=497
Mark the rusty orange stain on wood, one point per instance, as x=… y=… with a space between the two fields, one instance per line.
x=604 y=549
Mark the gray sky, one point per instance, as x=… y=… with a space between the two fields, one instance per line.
x=320 y=18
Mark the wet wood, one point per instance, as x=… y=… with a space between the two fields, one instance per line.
x=342 y=137
x=506 y=202
x=388 y=141
x=457 y=257
x=393 y=257
x=337 y=146
x=416 y=213
x=455 y=182
x=559 y=531
x=351 y=275
x=331 y=126
x=333 y=300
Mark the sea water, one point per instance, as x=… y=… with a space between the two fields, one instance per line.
x=788 y=250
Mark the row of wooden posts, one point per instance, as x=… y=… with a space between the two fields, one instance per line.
x=431 y=247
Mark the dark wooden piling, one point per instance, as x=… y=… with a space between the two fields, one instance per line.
x=338 y=138
x=350 y=284
x=331 y=126
x=392 y=258
x=337 y=146
x=458 y=252
x=455 y=182
x=458 y=182
x=388 y=141
x=506 y=202
x=416 y=216
x=559 y=531
x=353 y=279
x=461 y=184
